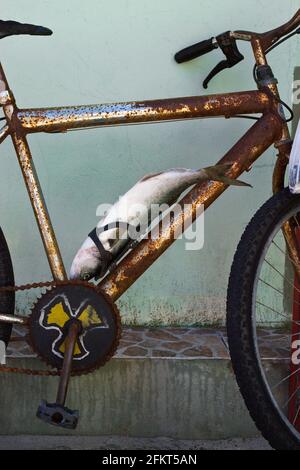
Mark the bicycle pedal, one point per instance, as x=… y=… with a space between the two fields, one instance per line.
x=57 y=415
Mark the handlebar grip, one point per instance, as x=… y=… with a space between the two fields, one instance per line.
x=9 y=28
x=197 y=50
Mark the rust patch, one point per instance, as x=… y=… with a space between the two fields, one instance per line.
x=74 y=117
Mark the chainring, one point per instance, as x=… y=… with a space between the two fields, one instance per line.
x=100 y=321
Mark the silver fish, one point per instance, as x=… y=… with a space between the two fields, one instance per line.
x=134 y=209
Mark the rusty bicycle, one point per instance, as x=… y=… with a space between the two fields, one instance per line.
x=75 y=326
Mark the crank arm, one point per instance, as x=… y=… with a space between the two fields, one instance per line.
x=56 y=413
x=74 y=331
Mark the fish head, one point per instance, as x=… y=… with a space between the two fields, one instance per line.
x=87 y=262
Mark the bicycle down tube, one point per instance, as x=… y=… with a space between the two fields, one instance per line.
x=251 y=146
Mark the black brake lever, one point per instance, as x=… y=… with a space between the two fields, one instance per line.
x=229 y=47
x=221 y=66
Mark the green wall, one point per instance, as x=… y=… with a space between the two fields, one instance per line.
x=123 y=50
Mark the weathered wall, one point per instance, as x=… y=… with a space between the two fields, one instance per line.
x=123 y=50
x=185 y=399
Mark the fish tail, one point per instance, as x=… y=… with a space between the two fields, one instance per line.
x=218 y=173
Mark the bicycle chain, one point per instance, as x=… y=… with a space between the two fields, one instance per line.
x=38 y=285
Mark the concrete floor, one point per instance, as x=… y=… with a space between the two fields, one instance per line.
x=124 y=443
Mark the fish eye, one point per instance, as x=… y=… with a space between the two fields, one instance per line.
x=85 y=276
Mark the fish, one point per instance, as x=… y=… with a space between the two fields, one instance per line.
x=134 y=209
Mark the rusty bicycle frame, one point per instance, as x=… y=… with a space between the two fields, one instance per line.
x=271 y=128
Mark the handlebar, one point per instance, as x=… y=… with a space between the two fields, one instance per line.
x=227 y=42
x=270 y=37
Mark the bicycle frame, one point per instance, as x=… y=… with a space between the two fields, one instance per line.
x=269 y=129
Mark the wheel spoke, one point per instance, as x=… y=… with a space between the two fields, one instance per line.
x=284 y=253
x=296 y=417
x=276 y=311
x=291 y=397
x=285 y=379
x=291 y=283
x=276 y=290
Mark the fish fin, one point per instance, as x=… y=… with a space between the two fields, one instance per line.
x=217 y=173
x=232 y=182
x=217 y=169
x=151 y=176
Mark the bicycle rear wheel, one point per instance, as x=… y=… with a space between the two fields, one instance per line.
x=7 y=299
x=263 y=322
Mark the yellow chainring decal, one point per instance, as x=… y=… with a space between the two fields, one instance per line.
x=89 y=317
x=58 y=316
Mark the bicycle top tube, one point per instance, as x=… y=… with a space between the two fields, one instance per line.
x=115 y=114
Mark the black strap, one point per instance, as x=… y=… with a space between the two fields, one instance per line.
x=106 y=256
